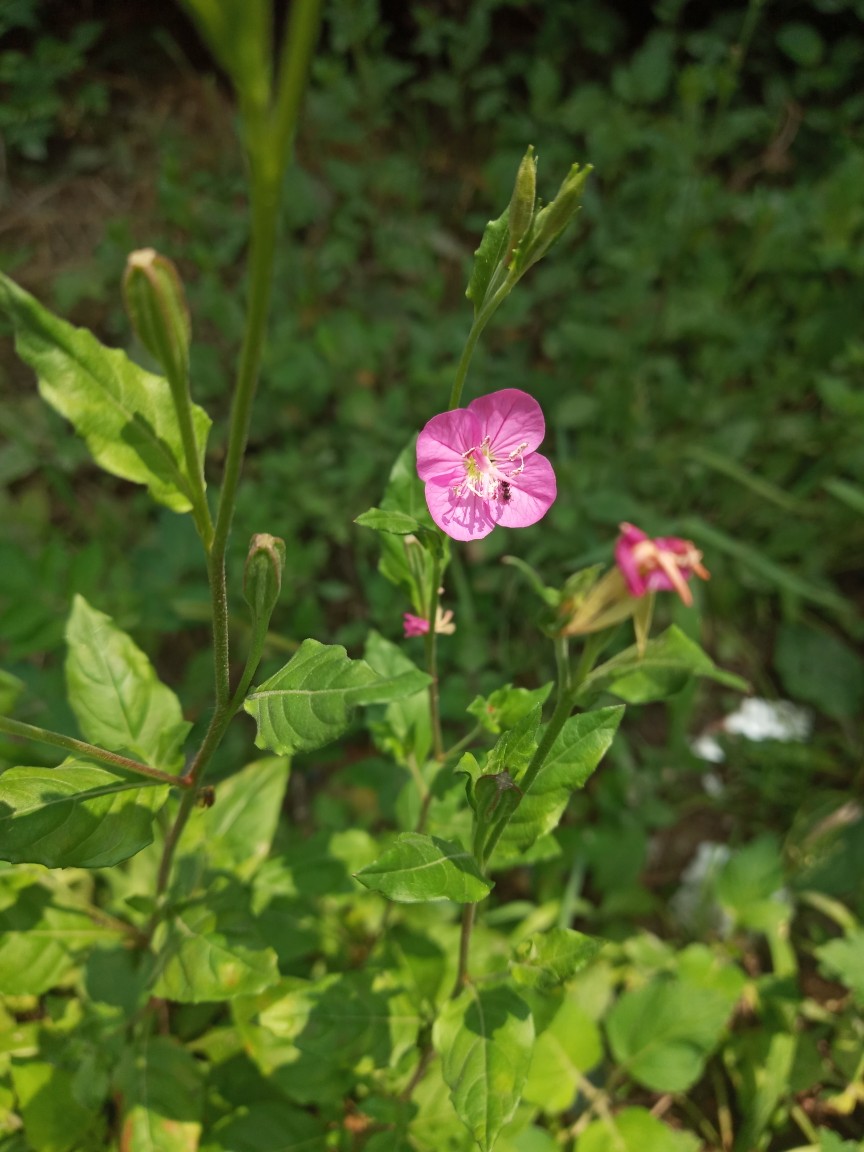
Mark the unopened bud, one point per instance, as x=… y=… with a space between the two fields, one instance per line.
x=262 y=576
x=551 y=221
x=156 y=306
x=521 y=210
x=496 y=795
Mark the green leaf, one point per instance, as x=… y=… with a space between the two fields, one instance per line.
x=564 y=1052
x=10 y=689
x=210 y=949
x=270 y=1126
x=238 y=829
x=844 y=958
x=125 y=414
x=76 y=815
x=39 y=941
x=419 y=868
x=667 y=665
x=161 y=1086
x=238 y=34
x=484 y=1038
x=820 y=669
x=635 y=1130
x=309 y=702
x=579 y=748
x=663 y=1032
x=397 y=523
x=115 y=694
x=546 y=960
x=54 y=1119
x=487 y=258
x=406 y=729
x=506 y=706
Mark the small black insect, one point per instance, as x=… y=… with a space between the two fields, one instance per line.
x=504 y=492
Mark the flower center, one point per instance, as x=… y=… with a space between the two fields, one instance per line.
x=485 y=477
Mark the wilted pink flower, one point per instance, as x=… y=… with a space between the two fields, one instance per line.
x=661 y=565
x=480 y=465
x=418 y=626
x=414 y=625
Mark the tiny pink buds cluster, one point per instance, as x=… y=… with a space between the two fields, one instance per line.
x=418 y=626
x=661 y=565
x=481 y=468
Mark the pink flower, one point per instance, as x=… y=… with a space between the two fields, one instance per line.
x=480 y=465
x=661 y=565
x=414 y=625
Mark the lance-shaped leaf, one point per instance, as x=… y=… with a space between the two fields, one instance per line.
x=212 y=950
x=75 y=816
x=161 y=1086
x=125 y=414
x=309 y=702
x=665 y=667
x=115 y=694
x=487 y=259
x=419 y=868
x=484 y=1038
x=579 y=748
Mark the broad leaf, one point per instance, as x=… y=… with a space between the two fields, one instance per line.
x=76 y=815
x=309 y=702
x=397 y=523
x=406 y=730
x=579 y=748
x=565 y=1051
x=487 y=258
x=271 y=1126
x=115 y=694
x=10 y=689
x=420 y=868
x=54 y=1117
x=125 y=414
x=162 y=1094
x=665 y=667
x=39 y=941
x=663 y=1032
x=238 y=829
x=545 y=960
x=507 y=706
x=484 y=1038
x=635 y=1130
x=844 y=958
x=211 y=949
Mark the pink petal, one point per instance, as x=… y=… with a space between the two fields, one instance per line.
x=624 y=558
x=464 y=517
x=442 y=444
x=532 y=493
x=414 y=625
x=510 y=418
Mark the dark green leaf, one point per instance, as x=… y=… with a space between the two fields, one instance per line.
x=493 y=248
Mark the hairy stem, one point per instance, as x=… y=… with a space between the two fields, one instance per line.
x=431 y=640
x=469 y=913
x=91 y=751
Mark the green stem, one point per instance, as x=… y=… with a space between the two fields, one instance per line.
x=482 y=319
x=200 y=510
x=431 y=641
x=469 y=913
x=91 y=751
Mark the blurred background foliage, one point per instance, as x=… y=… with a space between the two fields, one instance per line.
x=696 y=342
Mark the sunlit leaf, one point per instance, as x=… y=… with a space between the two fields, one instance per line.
x=162 y=1096
x=420 y=868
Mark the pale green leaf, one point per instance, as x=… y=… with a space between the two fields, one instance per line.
x=547 y=959
x=54 y=1118
x=380 y=520
x=844 y=958
x=578 y=749
x=125 y=414
x=484 y=1038
x=76 y=815
x=487 y=258
x=115 y=694
x=635 y=1130
x=162 y=1094
x=564 y=1052
x=420 y=868
x=309 y=702
x=507 y=706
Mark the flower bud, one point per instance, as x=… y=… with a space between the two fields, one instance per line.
x=521 y=210
x=551 y=221
x=156 y=306
x=262 y=576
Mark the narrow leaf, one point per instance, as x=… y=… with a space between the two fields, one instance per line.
x=420 y=868
x=484 y=1038
x=125 y=414
x=115 y=694
x=397 y=523
x=76 y=815
x=492 y=250
x=309 y=702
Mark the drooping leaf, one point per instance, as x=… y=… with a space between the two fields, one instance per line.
x=210 y=949
x=238 y=829
x=115 y=694
x=663 y=1032
x=662 y=670
x=309 y=702
x=162 y=1093
x=75 y=816
x=125 y=414
x=418 y=868
x=492 y=250
x=579 y=748
x=484 y=1038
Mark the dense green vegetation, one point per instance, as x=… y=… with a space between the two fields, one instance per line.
x=697 y=345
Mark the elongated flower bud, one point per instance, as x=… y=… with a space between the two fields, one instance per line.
x=156 y=306
x=262 y=576
x=551 y=221
x=521 y=210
